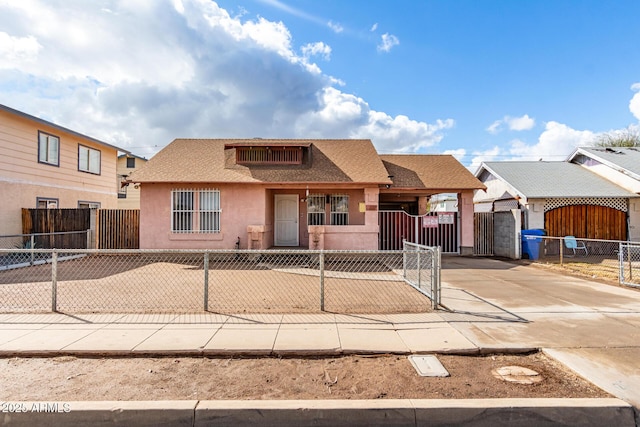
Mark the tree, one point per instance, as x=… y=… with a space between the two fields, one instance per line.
x=628 y=137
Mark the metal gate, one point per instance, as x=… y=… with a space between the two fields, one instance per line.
x=483 y=233
x=629 y=258
x=435 y=229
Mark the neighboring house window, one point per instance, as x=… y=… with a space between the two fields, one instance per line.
x=339 y=209
x=131 y=162
x=46 y=203
x=88 y=205
x=88 y=160
x=195 y=211
x=122 y=186
x=48 y=149
x=315 y=209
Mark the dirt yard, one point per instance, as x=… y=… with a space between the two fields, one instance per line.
x=350 y=377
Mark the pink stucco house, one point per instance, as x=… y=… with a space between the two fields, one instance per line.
x=263 y=193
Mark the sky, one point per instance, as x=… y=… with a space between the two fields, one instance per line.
x=489 y=80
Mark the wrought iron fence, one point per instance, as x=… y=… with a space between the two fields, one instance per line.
x=242 y=281
x=593 y=258
x=629 y=258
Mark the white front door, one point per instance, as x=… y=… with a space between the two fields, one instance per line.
x=286 y=220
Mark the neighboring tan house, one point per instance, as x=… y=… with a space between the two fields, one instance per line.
x=263 y=193
x=560 y=197
x=128 y=195
x=44 y=165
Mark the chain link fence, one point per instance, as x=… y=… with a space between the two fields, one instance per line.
x=243 y=281
x=65 y=239
x=422 y=270
x=629 y=257
x=593 y=258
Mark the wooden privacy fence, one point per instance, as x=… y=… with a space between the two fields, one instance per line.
x=114 y=228
x=55 y=220
x=586 y=221
x=118 y=229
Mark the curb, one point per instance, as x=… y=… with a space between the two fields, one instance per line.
x=259 y=353
x=409 y=412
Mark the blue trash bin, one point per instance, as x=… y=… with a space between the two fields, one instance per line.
x=532 y=242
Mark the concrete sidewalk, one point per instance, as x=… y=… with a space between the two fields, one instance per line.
x=213 y=334
x=492 y=306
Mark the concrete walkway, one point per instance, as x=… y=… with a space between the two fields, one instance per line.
x=592 y=328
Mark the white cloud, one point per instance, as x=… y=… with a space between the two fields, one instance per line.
x=521 y=123
x=634 y=104
x=388 y=41
x=318 y=48
x=336 y=27
x=484 y=156
x=17 y=49
x=556 y=142
x=140 y=74
x=495 y=127
x=374 y=27
x=512 y=123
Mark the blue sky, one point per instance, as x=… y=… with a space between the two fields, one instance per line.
x=483 y=80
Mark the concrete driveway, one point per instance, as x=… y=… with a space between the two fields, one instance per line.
x=591 y=327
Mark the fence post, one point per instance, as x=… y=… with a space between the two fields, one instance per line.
x=33 y=247
x=418 y=267
x=321 y=280
x=630 y=263
x=561 y=250
x=54 y=281
x=404 y=259
x=206 y=281
x=438 y=277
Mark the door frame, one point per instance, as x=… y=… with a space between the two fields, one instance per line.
x=276 y=198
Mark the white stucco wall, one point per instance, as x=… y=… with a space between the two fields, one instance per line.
x=617 y=177
x=634 y=220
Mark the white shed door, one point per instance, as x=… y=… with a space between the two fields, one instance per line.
x=286 y=220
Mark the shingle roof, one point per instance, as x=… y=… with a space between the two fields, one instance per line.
x=206 y=160
x=553 y=179
x=626 y=158
x=421 y=171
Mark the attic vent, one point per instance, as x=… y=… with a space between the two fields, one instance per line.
x=269 y=155
x=613 y=150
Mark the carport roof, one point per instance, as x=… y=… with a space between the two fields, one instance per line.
x=542 y=180
x=429 y=171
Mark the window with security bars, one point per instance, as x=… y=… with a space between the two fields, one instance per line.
x=339 y=209
x=315 y=209
x=195 y=211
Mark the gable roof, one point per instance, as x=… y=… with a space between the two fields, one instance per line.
x=207 y=160
x=540 y=180
x=58 y=127
x=429 y=171
x=625 y=158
